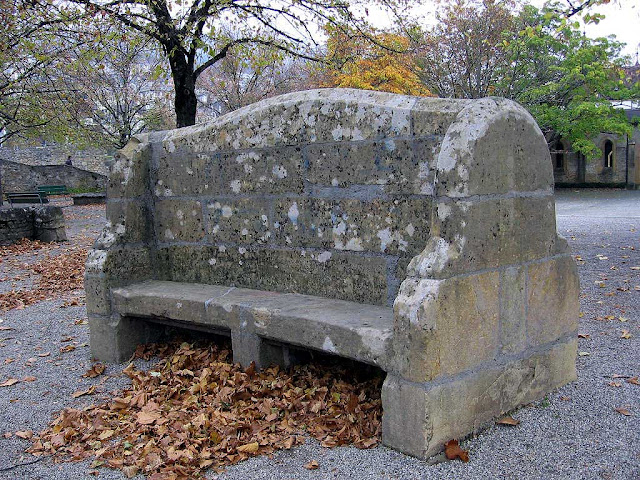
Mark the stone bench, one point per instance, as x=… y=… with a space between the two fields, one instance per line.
x=414 y=234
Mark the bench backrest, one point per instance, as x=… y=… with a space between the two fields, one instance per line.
x=324 y=192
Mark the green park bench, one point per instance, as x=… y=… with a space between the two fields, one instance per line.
x=53 y=189
x=27 y=197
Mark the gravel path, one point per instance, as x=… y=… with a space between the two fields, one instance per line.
x=574 y=433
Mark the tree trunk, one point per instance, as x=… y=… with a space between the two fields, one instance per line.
x=184 y=81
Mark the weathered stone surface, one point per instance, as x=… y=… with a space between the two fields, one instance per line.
x=97 y=295
x=475 y=235
x=115 y=338
x=419 y=418
x=395 y=226
x=185 y=173
x=337 y=275
x=244 y=221
x=493 y=147
x=553 y=288
x=19 y=177
x=444 y=327
x=513 y=307
x=129 y=173
x=267 y=171
x=130 y=221
x=179 y=220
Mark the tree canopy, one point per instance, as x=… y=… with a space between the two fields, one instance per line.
x=196 y=34
x=570 y=83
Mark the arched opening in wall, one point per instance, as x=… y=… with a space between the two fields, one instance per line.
x=557 y=155
x=608 y=154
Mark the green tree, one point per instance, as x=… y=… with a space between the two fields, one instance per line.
x=570 y=83
x=538 y=57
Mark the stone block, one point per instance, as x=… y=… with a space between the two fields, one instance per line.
x=97 y=295
x=444 y=327
x=553 y=289
x=186 y=173
x=179 y=220
x=249 y=347
x=129 y=174
x=242 y=221
x=336 y=275
x=419 y=418
x=396 y=226
x=471 y=236
x=493 y=147
x=513 y=304
x=433 y=116
x=114 y=338
x=129 y=221
x=267 y=171
x=121 y=266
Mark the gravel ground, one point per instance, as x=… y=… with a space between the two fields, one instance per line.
x=573 y=433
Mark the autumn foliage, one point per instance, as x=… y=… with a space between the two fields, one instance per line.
x=196 y=410
x=385 y=64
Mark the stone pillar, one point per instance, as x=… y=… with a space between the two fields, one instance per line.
x=121 y=255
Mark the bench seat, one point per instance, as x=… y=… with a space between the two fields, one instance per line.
x=353 y=330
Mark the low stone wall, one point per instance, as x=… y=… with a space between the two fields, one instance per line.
x=94 y=160
x=44 y=223
x=16 y=177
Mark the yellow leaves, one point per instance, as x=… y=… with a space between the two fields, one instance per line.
x=625 y=334
x=368 y=66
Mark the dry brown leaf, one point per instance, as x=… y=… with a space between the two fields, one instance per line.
x=147 y=417
x=508 y=421
x=312 y=465
x=4 y=329
x=24 y=434
x=625 y=334
x=583 y=335
x=249 y=447
x=452 y=451
x=633 y=381
x=30 y=378
x=623 y=411
x=45 y=354
x=614 y=384
x=9 y=382
x=88 y=391
x=95 y=370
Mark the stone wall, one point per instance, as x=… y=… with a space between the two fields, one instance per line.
x=16 y=177
x=438 y=211
x=94 y=160
x=45 y=223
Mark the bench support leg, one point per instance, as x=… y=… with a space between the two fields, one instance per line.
x=249 y=347
x=114 y=338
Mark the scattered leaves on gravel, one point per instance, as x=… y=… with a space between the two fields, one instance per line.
x=195 y=410
x=508 y=421
x=58 y=274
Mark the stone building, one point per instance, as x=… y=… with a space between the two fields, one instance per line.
x=617 y=166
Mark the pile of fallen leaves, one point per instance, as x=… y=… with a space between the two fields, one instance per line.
x=195 y=410
x=58 y=274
